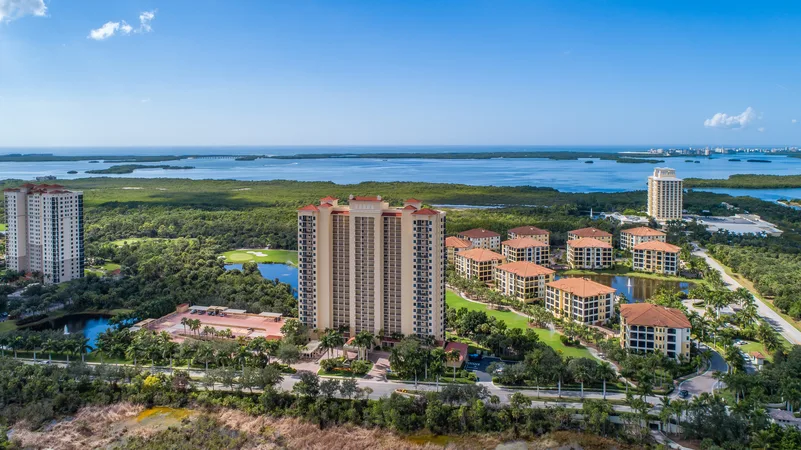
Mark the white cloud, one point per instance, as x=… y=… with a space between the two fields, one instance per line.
x=144 y=21
x=104 y=32
x=111 y=28
x=761 y=129
x=793 y=121
x=723 y=120
x=145 y=100
x=14 y=9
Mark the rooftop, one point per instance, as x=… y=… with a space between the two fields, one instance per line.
x=588 y=243
x=528 y=231
x=525 y=242
x=426 y=212
x=590 y=232
x=525 y=269
x=478 y=233
x=581 y=287
x=658 y=246
x=455 y=242
x=481 y=255
x=649 y=315
x=643 y=231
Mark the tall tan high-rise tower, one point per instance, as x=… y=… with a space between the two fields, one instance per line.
x=665 y=193
x=367 y=266
x=45 y=231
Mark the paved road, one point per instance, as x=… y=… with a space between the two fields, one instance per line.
x=705 y=382
x=786 y=329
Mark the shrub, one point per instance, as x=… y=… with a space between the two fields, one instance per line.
x=360 y=367
x=329 y=365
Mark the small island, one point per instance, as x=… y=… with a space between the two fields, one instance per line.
x=589 y=162
x=758 y=160
x=129 y=168
x=72 y=172
x=735 y=160
x=247 y=158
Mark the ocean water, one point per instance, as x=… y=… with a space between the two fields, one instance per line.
x=567 y=176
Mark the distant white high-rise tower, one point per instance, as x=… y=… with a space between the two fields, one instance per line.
x=665 y=195
x=45 y=231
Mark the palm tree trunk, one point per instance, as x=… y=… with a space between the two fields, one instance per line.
x=604 y=388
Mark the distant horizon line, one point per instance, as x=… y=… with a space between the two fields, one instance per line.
x=647 y=146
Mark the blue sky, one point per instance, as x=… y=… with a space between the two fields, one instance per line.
x=404 y=72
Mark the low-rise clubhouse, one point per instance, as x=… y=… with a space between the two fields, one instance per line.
x=526 y=249
x=647 y=328
x=633 y=236
x=523 y=280
x=589 y=253
x=481 y=238
x=656 y=257
x=580 y=300
x=478 y=264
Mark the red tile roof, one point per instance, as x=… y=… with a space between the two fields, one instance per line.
x=414 y=200
x=455 y=242
x=649 y=315
x=367 y=199
x=409 y=207
x=426 y=212
x=590 y=233
x=328 y=199
x=309 y=208
x=460 y=347
x=525 y=242
x=391 y=214
x=525 y=269
x=588 y=243
x=581 y=287
x=642 y=231
x=478 y=233
x=658 y=246
x=757 y=355
x=481 y=255
x=326 y=205
x=528 y=231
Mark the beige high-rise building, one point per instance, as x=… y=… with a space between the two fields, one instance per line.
x=45 y=231
x=665 y=193
x=368 y=267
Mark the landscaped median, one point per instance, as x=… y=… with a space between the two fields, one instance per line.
x=261 y=256
x=338 y=367
x=514 y=320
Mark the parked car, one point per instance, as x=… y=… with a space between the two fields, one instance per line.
x=683 y=393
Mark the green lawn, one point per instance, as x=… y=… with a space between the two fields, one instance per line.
x=517 y=321
x=110 y=267
x=261 y=256
x=3 y=227
x=756 y=346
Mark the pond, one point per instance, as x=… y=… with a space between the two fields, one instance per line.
x=638 y=289
x=285 y=273
x=90 y=325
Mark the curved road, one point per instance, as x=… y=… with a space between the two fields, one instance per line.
x=786 y=329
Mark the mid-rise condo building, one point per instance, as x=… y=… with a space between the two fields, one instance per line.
x=482 y=238
x=367 y=266
x=526 y=249
x=656 y=257
x=589 y=253
x=590 y=232
x=665 y=193
x=633 y=236
x=530 y=232
x=647 y=328
x=580 y=300
x=523 y=280
x=45 y=231
x=478 y=264
x=454 y=245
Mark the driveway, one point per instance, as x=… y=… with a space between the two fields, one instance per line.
x=786 y=329
x=706 y=381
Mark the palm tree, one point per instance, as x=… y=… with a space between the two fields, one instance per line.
x=82 y=344
x=364 y=340
x=453 y=356
x=49 y=346
x=185 y=322
x=606 y=372
x=209 y=330
x=16 y=342
x=337 y=339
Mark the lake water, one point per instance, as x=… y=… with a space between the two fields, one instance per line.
x=284 y=273
x=89 y=325
x=567 y=176
x=638 y=289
